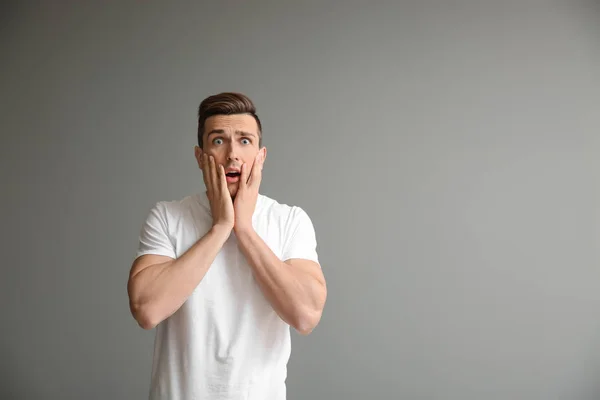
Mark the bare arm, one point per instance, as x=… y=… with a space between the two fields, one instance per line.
x=159 y=285
x=296 y=289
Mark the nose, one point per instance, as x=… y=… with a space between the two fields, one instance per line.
x=232 y=153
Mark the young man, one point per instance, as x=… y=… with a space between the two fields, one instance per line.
x=225 y=272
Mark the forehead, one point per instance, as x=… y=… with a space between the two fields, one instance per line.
x=231 y=123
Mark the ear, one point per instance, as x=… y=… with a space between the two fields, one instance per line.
x=263 y=150
x=198 y=154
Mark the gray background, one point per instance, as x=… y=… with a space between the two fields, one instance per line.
x=445 y=150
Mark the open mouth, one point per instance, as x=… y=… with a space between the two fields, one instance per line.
x=232 y=176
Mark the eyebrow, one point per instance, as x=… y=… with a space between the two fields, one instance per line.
x=221 y=131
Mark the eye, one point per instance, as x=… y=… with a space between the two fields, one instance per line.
x=218 y=141
x=246 y=141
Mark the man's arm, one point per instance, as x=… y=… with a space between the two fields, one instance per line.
x=159 y=285
x=296 y=288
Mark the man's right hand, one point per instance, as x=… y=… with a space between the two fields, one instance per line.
x=218 y=194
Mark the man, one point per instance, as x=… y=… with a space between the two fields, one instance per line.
x=224 y=273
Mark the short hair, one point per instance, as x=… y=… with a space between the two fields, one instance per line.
x=226 y=103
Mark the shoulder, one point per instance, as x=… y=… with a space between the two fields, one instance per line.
x=169 y=210
x=180 y=205
x=294 y=229
x=287 y=215
x=277 y=209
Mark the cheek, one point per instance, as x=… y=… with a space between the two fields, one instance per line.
x=219 y=158
x=250 y=156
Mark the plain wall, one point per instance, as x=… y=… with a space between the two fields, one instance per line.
x=447 y=152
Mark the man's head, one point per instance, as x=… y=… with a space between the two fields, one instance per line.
x=230 y=131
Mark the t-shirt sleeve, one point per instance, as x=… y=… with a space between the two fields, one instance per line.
x=154 y=236
x=300 y=239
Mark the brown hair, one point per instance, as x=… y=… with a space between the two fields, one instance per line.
x=226 y=103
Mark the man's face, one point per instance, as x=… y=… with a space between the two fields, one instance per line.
x=232 y=140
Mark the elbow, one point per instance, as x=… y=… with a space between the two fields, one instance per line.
x=305 y=322
x=146 y=323
x=305 y=330
x=308 y=317
x=142 y=311
x=144 y=316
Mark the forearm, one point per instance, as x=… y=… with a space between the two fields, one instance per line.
x=296 y=296
x=159 y=290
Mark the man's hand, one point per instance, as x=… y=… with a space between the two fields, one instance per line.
x=221 y=204
x=247 y=194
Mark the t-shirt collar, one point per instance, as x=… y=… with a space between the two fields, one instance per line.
x=202 y=198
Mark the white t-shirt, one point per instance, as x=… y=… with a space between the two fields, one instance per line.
x=225 y=342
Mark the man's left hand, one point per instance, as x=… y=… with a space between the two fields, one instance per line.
x=247 y=194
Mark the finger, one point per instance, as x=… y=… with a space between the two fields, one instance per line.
x=205 y=172
x=223 y=181
x=244 y=175
x=256 y=175
x=214 y=179
x=208 y=174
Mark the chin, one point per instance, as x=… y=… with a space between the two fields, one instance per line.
x=233 y=188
